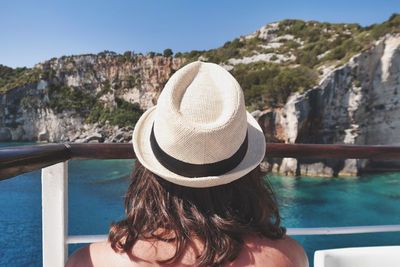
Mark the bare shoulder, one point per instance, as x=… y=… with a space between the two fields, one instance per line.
x=285 y=252
x=294 y=251
x=80 y=257
x=97 y=255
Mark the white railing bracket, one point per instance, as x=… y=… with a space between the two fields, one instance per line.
x=55 y=214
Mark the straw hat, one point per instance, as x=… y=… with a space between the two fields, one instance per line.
x=199 y=134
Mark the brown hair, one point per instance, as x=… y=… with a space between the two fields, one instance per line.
x=219 y=216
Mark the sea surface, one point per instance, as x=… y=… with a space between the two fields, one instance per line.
x=96 y=190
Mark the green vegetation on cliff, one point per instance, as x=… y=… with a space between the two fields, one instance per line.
x=268 y=84
x=392 y=25
x=124 y=114
x=88 y=106
x=62 y=98
x=11 y=78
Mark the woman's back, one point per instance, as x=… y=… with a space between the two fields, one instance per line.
x=256 y=251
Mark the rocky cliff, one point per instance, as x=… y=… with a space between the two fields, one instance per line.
x=38 y=110
x=358 y=103
x=306 y=82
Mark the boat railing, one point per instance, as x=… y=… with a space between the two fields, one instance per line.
x=53 y=159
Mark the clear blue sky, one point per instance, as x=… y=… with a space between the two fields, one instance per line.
x=32 y=31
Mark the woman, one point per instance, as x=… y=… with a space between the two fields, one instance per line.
x=197 y=196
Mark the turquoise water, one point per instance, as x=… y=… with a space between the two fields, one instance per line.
x=322 y=202
x=96 y=189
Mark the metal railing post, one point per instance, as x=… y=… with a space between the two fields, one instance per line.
x=55 y=214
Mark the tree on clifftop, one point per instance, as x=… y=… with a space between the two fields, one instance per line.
x=168 y=52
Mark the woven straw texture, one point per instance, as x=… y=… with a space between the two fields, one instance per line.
x=200 y=118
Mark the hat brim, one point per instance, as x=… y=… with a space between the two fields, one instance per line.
x=141 y=144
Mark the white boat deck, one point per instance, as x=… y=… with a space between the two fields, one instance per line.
x=384 y=256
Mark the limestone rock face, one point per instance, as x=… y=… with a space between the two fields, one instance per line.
x=5 y=134
x=358 y=103
x=25 y=115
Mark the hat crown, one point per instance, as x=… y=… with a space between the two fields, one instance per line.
x=201 y=115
